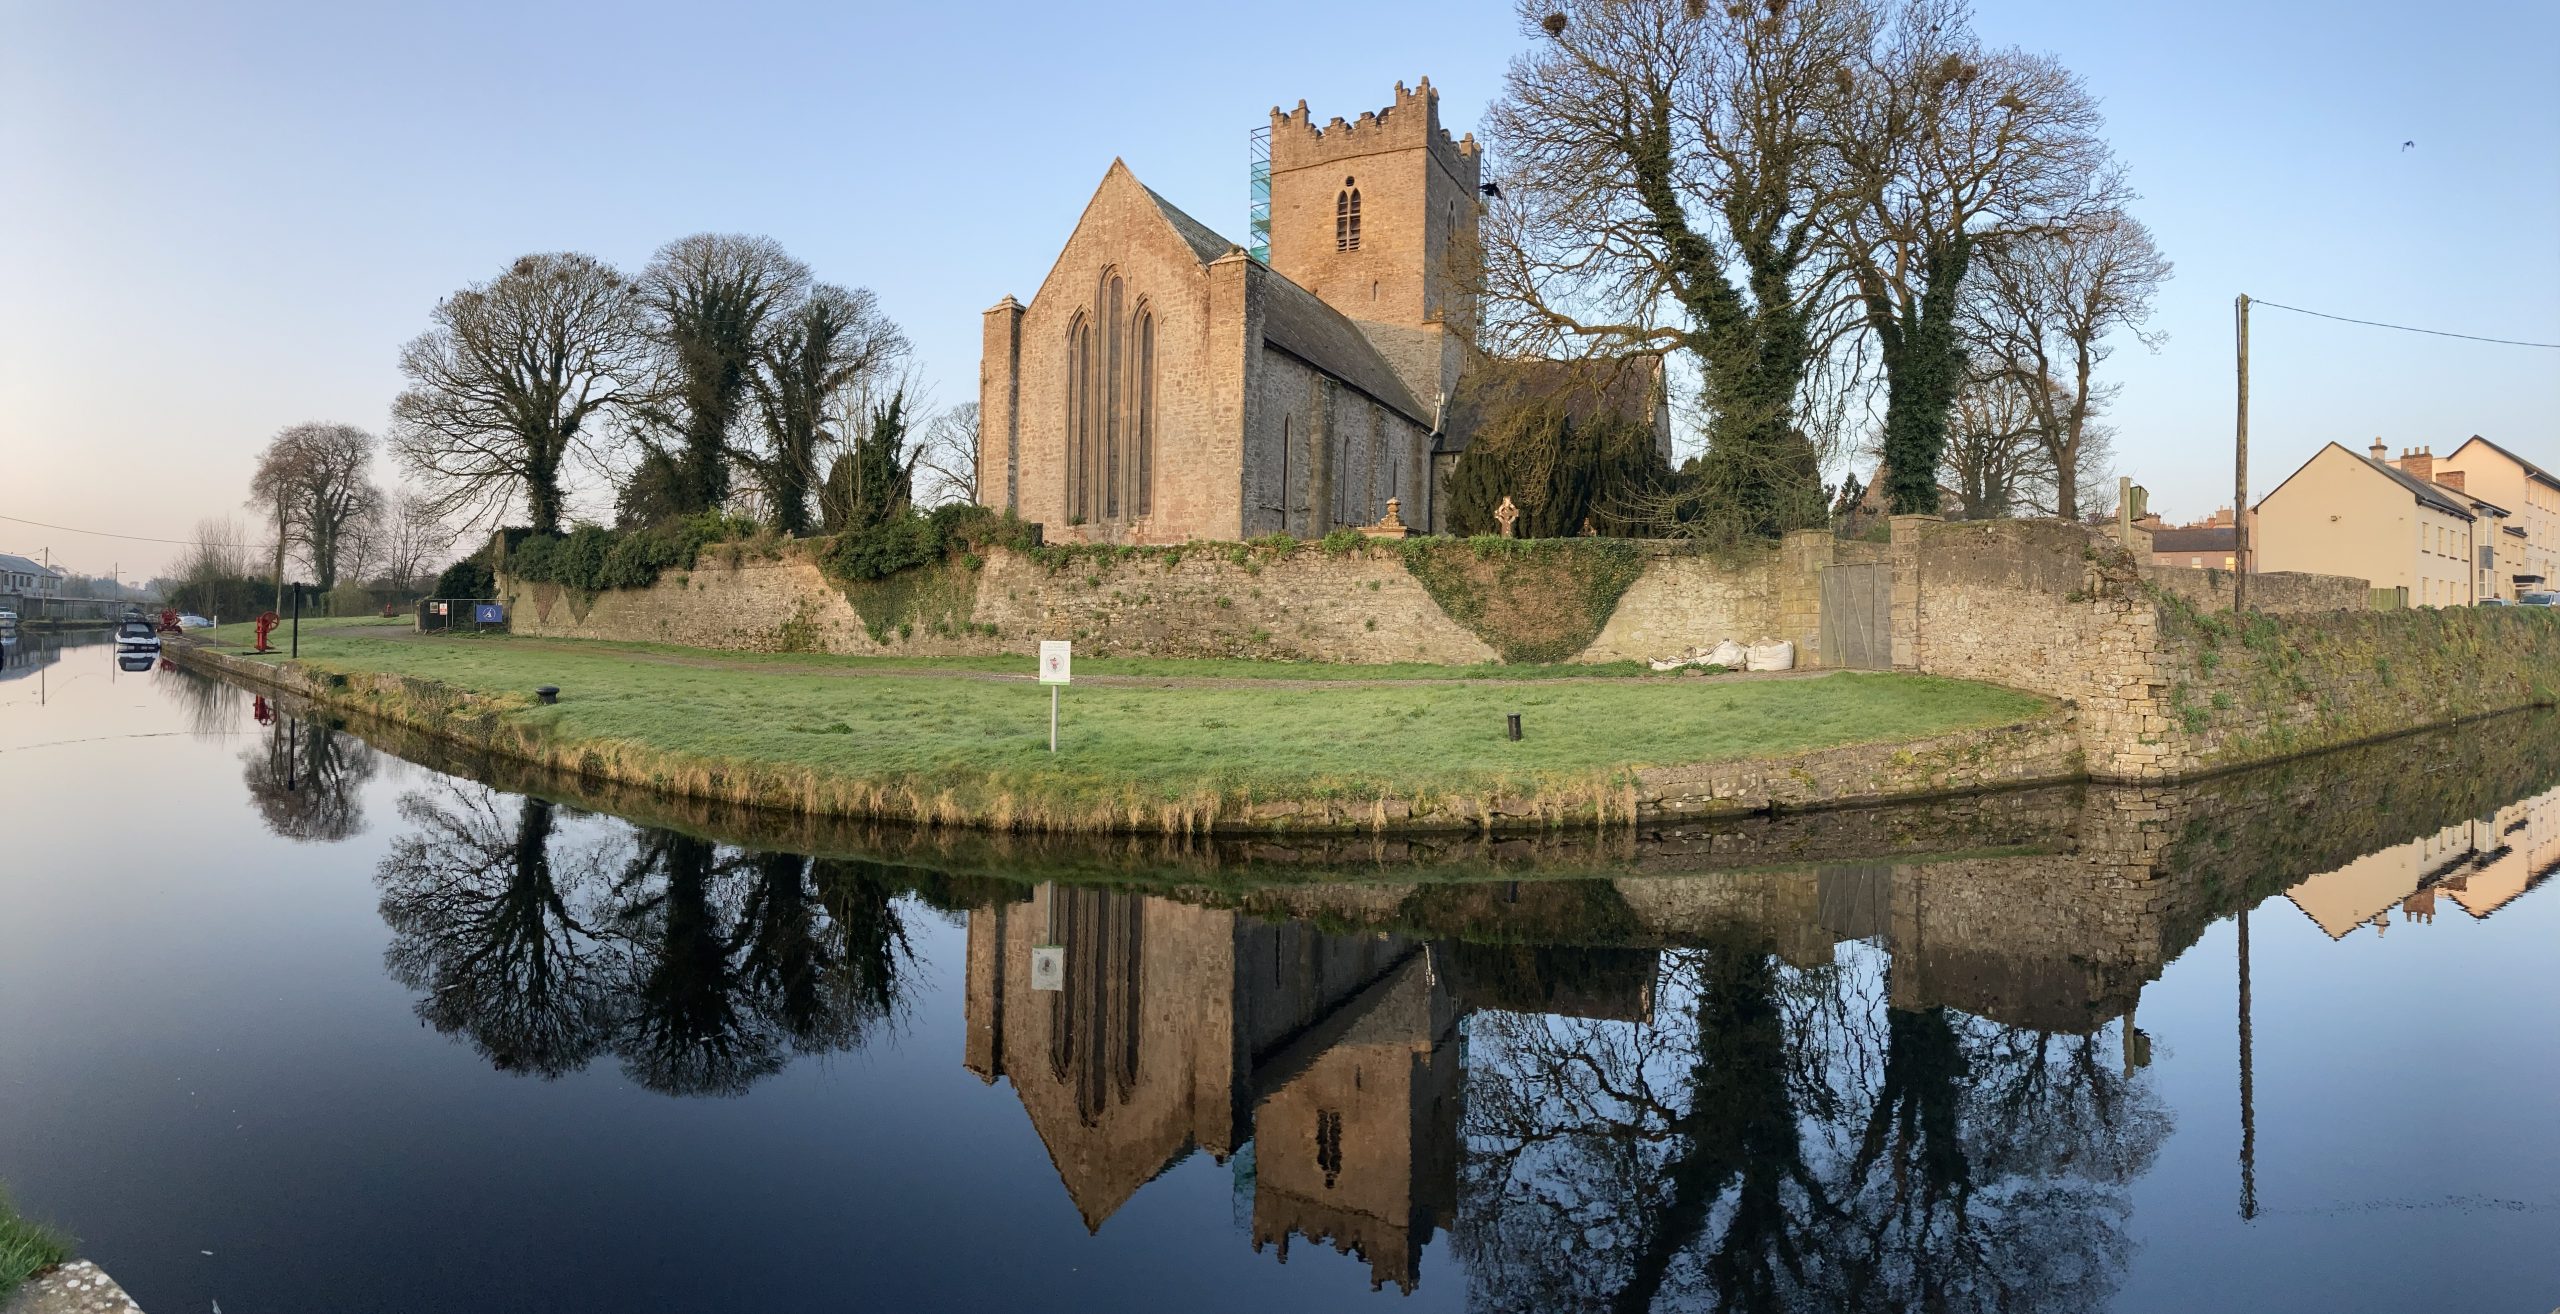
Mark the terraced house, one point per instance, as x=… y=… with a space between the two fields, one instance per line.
x=2529 y=546
x=2389 y=522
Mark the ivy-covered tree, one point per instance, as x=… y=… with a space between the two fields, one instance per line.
x=1562 y=474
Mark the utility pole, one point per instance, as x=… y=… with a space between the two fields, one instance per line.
x=2240 y=472
x=2248 y=1088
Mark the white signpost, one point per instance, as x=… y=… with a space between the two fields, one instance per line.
x=1057 y=660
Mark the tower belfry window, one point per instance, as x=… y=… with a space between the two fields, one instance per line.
x=1346 y=216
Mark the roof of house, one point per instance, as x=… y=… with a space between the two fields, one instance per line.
x=2431 y=494
x=2531 y=470
x=2427 y=491
x=15 y=564
x=2212 y=538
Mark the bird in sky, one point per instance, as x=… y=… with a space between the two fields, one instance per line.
x=2408 y=145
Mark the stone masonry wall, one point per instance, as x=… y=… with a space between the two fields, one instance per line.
x=2164 y=689
x=2277 y=593
x=1216 y=600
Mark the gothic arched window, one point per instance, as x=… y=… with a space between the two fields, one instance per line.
x=1142 y=478
x=1346 y=216
x=1113 y=391
x=1079 y=416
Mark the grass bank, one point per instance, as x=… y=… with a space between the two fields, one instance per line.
x=26 y=1249
x=1177 y=746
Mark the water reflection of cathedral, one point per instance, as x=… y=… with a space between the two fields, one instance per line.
x=2475 y=866
x=1334 y=1063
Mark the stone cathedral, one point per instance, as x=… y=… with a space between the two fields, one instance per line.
x=1165 y=385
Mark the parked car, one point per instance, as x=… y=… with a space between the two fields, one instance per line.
x=8 y=622
x=191 y=621
x=2540 y=598
x=134 y=634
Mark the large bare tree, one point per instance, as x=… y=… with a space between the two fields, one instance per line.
x=2049 y=306
x=946 y=459
x=512 y=382
x=813 y=349
x=1662 y=192
x=316 y=481
x=709 y=301
x=1940 y=145
x=413 y=542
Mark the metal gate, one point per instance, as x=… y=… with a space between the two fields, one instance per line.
x=1857 y=617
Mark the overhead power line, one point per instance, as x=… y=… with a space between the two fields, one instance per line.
x=100 y=533
x=2404 y=328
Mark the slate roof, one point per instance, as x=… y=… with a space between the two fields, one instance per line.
x=1300 y=323
x=2212 y=538
x=1203 y=240
x=2433 y=494
x=12 y=563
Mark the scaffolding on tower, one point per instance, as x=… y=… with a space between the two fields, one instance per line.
x=1258 y=195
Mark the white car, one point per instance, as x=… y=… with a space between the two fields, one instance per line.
x=134 y=634
x=192 y=621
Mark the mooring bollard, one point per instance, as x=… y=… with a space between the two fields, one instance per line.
x=548 y=693
x=1513 y=726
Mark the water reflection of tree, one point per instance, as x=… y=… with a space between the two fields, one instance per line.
x=702 y=969
x=1780 y=1139
x=496 y=936
x=306 y=779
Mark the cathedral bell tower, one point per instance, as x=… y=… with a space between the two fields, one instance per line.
x=1367 y=214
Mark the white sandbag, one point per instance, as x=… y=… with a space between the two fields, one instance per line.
x=1729 y=655
x=1668 y=663
x=1779 y=656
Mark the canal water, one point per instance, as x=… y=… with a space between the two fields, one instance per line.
x=296 y=1018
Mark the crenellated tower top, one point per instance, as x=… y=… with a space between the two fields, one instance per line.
x=1412 y=121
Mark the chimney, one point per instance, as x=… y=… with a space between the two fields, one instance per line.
x=2451 y=479
x=2379 y=451
x=2221 y=518
x=2419 y=464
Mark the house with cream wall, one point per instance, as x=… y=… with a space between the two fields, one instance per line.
x=2529 y=546
x=2363 y=515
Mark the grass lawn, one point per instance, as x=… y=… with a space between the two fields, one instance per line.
x=983 y=743
x=25 y=1250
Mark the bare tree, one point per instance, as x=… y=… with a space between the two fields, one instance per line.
x=414 y=541
x=812 y=350
x=947 y=457
x=710 y=300
x=1994 y=459
x=1940 y=145
x=316 y=480
x=2049 y=304
x=1663 y=191
x=510 y=383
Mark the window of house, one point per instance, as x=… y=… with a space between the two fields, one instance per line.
x=1346 y=216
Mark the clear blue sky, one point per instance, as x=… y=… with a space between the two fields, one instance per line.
x=221 y=219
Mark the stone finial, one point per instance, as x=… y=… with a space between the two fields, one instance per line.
x=1506 y=516
x=1392 y=525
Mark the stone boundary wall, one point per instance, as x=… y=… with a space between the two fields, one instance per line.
x=1218 y=600
x=2277 y=593
x=2163 y=689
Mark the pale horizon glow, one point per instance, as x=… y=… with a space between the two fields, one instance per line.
x=223 y=221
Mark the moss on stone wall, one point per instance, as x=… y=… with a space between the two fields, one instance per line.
x=1531 y=600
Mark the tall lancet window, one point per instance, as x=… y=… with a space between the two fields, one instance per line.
x=1114 y=382
x=1142 y=479
x=1346 y=217
x=1079 y=418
